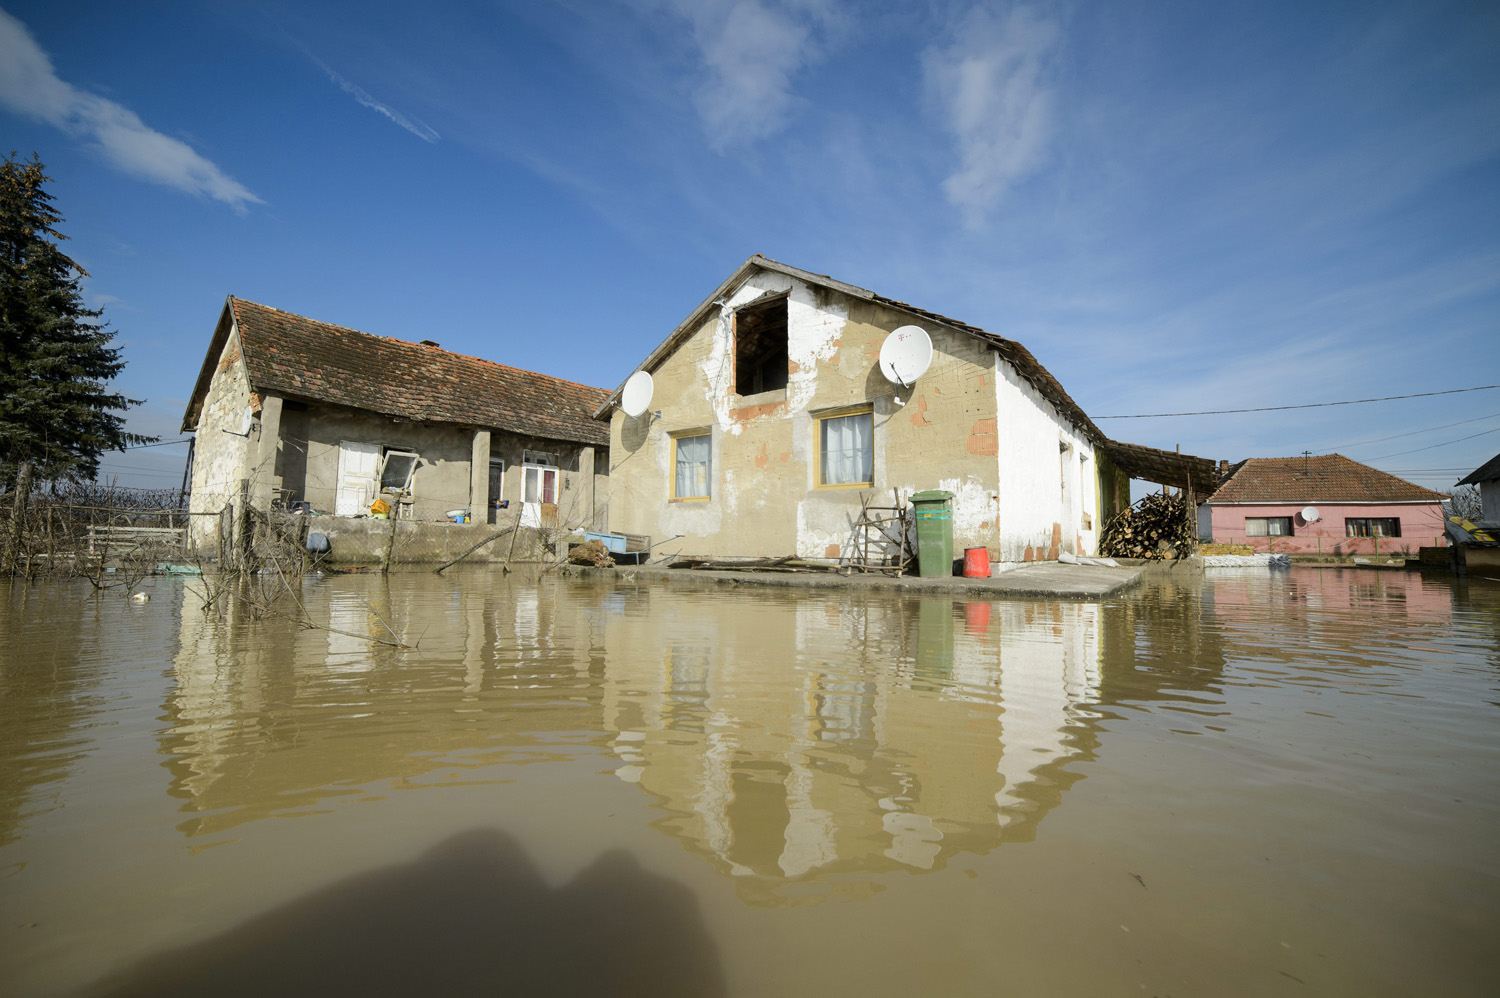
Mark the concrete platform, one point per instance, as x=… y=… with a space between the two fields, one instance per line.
x=1046 y=581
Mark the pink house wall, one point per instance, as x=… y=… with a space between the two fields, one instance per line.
x=1421 y=526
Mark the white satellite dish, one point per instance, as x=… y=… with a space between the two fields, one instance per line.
x=635 y=397
x=1310 y=514
x=247 y=421
x=905 y=355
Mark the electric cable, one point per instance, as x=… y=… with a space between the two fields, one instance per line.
x=1306 y=405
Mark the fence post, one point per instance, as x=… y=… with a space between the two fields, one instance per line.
x=17 y=519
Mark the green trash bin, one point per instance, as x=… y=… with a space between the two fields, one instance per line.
x=934 y=533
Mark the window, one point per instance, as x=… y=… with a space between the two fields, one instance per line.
x=1372 y=526
x=845 y=449
x=760 y=357
x=397 y=469
x=1268 y=526
x=692 y=463
x=538 y=484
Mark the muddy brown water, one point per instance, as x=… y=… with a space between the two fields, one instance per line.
x=1260 y=785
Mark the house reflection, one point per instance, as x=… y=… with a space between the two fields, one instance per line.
x=806 y=739
x=798 y=742
x=269 y=717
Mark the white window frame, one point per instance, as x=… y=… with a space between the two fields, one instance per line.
x=820 y=419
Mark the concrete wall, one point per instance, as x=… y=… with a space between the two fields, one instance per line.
x=1421 y=526
x=354 y=541
x=970 y=426
x=306 y=461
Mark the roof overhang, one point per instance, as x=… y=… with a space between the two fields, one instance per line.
x=1487 y=472
x=1164 y=467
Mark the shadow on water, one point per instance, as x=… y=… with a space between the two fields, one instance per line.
x=470 y=916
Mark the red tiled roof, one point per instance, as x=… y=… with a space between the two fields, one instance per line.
x=299 y=358
x=1324 y=478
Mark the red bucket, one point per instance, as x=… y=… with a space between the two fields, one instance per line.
x=976 y=563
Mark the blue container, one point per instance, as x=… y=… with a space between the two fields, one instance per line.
x=613 y=543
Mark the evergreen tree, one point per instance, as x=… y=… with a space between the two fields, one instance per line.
x=56 y=412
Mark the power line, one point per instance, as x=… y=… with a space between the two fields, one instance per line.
x=1445 y=443
x=1308 y=405
x=1412 y=433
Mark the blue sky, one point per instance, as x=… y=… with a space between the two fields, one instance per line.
x=1175 y=206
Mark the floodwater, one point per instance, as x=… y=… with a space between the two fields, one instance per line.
x=1255 y=784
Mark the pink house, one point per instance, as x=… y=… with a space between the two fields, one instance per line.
x=1321 y=505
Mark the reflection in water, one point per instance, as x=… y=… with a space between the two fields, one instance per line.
x=784 y=738
x=273 y=719
x=471 y=916
x=823 y=737
x=769 y=751
x=50 y=683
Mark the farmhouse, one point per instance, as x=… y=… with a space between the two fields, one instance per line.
x=312 y=415
x=1321 y=504
x=770 y=426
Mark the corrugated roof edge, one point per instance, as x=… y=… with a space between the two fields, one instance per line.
x=1487 y=471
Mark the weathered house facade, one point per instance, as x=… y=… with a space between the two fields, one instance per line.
x=770 y=420
x=289 y=410
x=1355 y=509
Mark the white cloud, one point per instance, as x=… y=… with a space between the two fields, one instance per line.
x=417 y=128
x=30 y=86
x=752 y=51
x=990 y=81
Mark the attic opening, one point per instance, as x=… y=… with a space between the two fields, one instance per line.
x=760 y=353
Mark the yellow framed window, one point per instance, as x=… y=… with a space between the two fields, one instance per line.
x=692 y=465
x=846 y=449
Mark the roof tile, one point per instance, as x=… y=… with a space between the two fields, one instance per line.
x=293 y=355
x=1323 y=478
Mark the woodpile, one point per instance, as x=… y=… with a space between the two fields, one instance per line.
x=1158 y=526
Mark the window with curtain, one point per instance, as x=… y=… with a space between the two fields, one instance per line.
x=693 y=462
x=845 y=449
x=1372 y=526
x=1268 y=526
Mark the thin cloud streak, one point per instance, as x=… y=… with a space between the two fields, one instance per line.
x=417 y=128
x=30 y=86
x=990 y=81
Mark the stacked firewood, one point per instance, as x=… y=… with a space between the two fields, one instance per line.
x=1158 y=526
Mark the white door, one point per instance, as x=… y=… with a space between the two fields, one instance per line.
x=538 y=492
x=358 y=466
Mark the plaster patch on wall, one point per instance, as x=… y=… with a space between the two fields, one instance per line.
x=971 y=504
x=820 y=525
